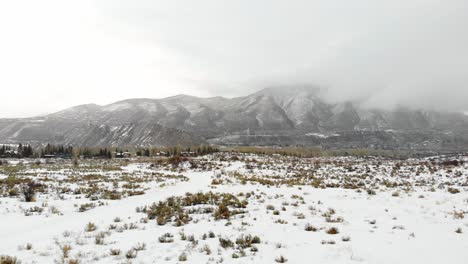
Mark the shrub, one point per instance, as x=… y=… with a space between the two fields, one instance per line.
x=310 y=228
x=206 y=249
x=131 y=254
x=300 y=216
x=90 y=227
x=140 y=247
x=346 y=239
x=183 y=257
x=112 y=195
x=334 y=219
x=332 y=231
x=329 y=242
x=453 y=190
x=256 y=240
x=115 y=252
x=222 y=212
x=99 y=238
x=166 y=238
x=225 y=243
x=174 y=208
x=247 y=241
x=13 y=192
x=216 y=181
x=85 y=207
x=281 y=221
x=458 y=215
x=175 y=161
x=29 y=191
x=35 y=209
x=281 y=259
x=65 y=251
x=160 y=220
x=54 y=210
x=9 y=260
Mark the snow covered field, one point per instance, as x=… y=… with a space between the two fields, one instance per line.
x=236 y=208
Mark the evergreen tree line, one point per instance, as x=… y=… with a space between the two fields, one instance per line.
x=56 y=150
x=177 y=151
x=21 y=151
x=89 y=153
x=26 y=151
x=61 y=151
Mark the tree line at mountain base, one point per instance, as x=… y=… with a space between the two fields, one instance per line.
x=70 y=152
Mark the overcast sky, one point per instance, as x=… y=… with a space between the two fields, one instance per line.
x=56 y=53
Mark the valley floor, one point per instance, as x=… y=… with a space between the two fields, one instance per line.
x=235 y=208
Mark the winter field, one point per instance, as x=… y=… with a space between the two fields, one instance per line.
x=235 y=208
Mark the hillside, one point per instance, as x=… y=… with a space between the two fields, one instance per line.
x=272 y=116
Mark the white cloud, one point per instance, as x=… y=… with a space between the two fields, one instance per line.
x=55 y=54
x=58 y=53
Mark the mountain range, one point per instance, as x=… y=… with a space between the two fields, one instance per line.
x=277 y=116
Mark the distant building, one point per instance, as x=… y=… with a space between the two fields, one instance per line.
x=121 y=155
x=188 y=154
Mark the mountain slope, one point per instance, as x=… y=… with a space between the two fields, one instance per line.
x=79 y=133
x=278 y=115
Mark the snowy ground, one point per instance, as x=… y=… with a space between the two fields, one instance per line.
x=355 y=210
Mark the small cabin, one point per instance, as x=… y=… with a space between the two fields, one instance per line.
x=122 y=155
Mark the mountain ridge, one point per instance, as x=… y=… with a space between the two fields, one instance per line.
x=280 y=112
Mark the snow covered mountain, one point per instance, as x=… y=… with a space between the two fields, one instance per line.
x=272 y=116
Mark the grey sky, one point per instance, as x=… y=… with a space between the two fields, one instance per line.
x=57 y=53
